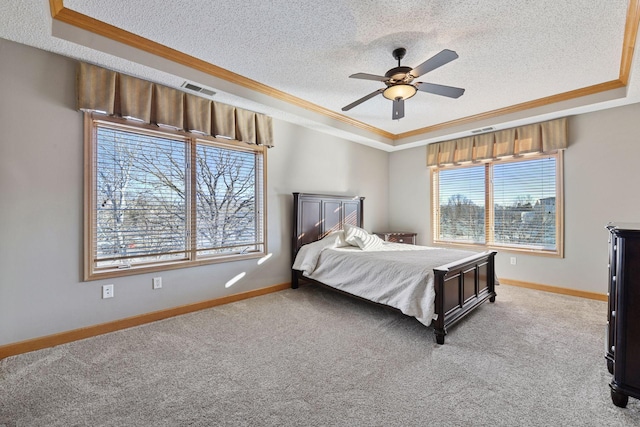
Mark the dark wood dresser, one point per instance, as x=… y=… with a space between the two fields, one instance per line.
x=623 y=334
x=397 y=236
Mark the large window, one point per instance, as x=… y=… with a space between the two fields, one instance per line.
x=159 y=199
x=510 y=203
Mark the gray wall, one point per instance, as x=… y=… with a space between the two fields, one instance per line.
x=601 y=178
x=41 y=204
x=41 y=207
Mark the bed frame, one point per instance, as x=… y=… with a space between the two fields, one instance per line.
x=460 y=287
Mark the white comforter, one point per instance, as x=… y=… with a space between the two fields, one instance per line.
x=397 y=275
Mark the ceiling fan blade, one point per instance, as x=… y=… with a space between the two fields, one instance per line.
x=398 y=109
x=450 y=91
x=366 y=76
x=361 y=100
x=438 y=60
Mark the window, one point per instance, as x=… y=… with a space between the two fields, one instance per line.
x=159 y=199
x=510 y=203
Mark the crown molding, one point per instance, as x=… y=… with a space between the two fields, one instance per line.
x=60 y=13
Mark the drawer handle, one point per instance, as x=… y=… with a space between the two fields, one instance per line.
x=400 y=240
x=613 y=313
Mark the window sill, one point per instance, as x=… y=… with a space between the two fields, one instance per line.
x=107 y=273
x=508 y=249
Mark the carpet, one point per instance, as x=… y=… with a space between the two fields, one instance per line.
x=313 y=357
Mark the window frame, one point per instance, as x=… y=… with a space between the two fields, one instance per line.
x=94 y=120
x=558 y=252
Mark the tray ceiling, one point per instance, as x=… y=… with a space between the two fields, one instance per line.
x=518 y=60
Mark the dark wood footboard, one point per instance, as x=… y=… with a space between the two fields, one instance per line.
x=461 y=287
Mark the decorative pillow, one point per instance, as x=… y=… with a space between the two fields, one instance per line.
x=356 y=236
x=351 y=231
x=337 y=237
x=369 y=243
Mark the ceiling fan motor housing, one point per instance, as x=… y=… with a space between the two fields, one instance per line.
x=399 y=74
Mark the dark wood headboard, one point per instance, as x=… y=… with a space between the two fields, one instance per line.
x=316 y=215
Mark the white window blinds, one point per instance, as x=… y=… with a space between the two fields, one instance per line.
x=162 y=199
x=227 y=205
x=461 y=205
x=515 y=203
x=524 y=198
x=140 y=198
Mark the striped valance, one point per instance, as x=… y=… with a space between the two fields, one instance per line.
x=543 y=137
x=117 y=94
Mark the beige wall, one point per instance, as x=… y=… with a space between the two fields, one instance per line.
x=41 y=184
x=601 y=178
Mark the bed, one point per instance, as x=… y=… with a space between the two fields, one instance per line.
x=438 y=294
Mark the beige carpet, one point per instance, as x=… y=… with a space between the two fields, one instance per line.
x=313 y=357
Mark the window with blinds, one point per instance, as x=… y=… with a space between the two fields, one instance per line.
x=160 y=199
x=140 y=204
x=524 y=200
x=228 y=216
x=461 y=200
x=509 y=203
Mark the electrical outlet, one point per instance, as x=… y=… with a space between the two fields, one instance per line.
x=513 y=260
x=107 y=291
x=157 y=282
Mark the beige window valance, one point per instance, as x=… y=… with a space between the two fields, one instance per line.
x=543 y=137
x=114 y=93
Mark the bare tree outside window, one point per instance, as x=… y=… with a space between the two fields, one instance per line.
x=225 y=197
x=525 y=203
x=461 y=208
x=141 y=206
x=143 y=210
x=523 y=213
x=461 y=219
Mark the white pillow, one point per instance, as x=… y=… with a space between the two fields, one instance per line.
x=351 y=231
x=337 y=237
x=369 y=243
x=356 y=236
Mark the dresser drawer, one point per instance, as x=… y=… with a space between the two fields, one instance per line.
x=397 y=237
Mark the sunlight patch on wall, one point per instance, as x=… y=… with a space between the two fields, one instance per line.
x=233 y=281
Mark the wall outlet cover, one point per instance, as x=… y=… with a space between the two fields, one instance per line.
x=107 y=291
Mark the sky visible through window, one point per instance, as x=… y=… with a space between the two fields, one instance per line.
x=513 y=182
x=468 y=182
x=523 y=210
x=524 y=182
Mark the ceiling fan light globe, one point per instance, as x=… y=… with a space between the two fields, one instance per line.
x=400 y=91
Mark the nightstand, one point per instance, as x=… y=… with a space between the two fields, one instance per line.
x=397 y=237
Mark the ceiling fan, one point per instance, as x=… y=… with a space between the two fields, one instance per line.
x=400 y=85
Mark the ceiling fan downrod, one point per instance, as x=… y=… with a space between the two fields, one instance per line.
x=399 y=53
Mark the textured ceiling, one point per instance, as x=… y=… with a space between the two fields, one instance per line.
x=510 y=52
